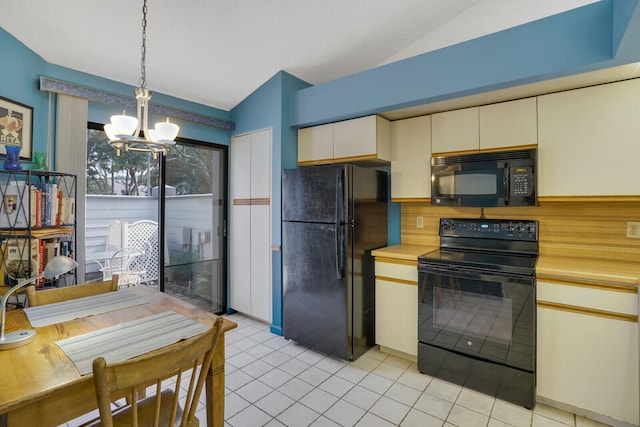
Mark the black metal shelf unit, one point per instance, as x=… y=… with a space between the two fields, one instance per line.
x=37 y=222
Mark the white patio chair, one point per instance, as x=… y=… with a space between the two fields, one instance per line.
x=121 y=264
x=116 y=240
x=143 y=234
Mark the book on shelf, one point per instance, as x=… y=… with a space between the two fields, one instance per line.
x=19 y=260
x=14 y=206
x=67 y=211
x=19 y=263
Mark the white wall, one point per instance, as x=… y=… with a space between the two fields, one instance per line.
x=195 y=213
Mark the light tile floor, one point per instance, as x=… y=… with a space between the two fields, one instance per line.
x=274 y=382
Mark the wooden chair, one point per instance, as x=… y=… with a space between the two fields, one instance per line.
x=49 y=296
x=169 y=366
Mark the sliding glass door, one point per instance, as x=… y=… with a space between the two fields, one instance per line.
x=185 y=255
x=195 y=223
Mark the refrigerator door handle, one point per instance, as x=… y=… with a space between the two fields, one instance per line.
x=339 y=209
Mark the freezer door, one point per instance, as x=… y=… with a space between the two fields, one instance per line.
x=314 y=194
x=315 y=287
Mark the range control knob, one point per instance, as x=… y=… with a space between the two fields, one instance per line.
x=510 y=227
x=521 y=228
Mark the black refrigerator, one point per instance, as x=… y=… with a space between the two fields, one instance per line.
x=332 y=217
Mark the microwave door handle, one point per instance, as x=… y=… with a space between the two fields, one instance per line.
x=507 y=190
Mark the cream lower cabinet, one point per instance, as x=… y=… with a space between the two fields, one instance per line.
x=397 y=306
x=250 y=225
x=587 y=348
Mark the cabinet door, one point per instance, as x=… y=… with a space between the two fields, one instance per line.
x=508 y=124
x=397 y=307
x=456 y=130
x=240 y=176
x=588 y=141
x=587 y=334
x=240 y=258
x=260 y=267
x=411 y=158
x=250 y=225
x=315 y=144
x=366 y=137
x=589 y=362
x=261 y=164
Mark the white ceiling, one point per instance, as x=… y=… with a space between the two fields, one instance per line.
x=217 y=52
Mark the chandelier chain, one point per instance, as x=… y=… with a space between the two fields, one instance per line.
x=143 y=60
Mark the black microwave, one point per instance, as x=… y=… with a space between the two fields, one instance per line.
x=501 y=178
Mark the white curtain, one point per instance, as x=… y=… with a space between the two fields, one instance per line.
x=71 y=157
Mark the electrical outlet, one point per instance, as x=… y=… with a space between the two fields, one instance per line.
x=420 y=222
x=633 y=230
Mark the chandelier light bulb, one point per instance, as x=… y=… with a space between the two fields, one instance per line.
x=124 y=125
x=166 y=131
x=111 y=131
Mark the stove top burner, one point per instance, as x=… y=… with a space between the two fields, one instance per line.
x=509 y=263
x=508 y=246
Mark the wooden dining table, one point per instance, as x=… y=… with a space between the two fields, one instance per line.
x=41 y=386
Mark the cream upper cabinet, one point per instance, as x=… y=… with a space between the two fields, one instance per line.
x=589 y=141
x=508 y=124
x=411 y=159
x=315 y=144
x=366 y=139
x=587 y=347
x=456 y=130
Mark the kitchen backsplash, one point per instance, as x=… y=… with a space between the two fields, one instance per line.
x=590 y=229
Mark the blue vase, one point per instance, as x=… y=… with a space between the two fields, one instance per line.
x=13 y=158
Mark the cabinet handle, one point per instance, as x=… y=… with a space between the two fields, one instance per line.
x=588 y=311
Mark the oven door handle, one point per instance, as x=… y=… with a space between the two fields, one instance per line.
x=471 y=272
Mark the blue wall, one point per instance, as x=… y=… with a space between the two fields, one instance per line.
x=19 y=82
x=268 y=107
x=599 y=35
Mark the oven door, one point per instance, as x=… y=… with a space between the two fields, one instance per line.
x=487 y=315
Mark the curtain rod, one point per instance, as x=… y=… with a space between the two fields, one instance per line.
x=94 y=95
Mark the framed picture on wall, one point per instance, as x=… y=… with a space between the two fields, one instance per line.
x=16 y=127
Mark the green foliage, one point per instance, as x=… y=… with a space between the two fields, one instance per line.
x=189 y=169
x=131 y=173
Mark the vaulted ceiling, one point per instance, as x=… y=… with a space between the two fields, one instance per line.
x=217 y=52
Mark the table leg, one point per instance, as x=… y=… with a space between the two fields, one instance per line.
x=215 y=387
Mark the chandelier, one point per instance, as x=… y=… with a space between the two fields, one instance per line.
x=124 y=131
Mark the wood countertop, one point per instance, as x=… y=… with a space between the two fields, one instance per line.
x=626 y=273
x=402 y=251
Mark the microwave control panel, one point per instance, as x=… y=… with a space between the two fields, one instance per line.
x=521 y=181
x=489 y=228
